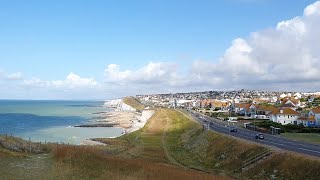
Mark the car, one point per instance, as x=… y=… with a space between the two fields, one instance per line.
x=233 y=129
x=259 y=136
x=211 y=123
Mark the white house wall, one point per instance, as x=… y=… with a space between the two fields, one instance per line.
x=284 y=119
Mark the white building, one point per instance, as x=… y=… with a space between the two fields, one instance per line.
x=285 y=116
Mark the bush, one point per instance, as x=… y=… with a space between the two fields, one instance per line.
x=289 y=128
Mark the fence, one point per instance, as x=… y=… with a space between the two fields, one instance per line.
x=28 y=146
x=255 y=159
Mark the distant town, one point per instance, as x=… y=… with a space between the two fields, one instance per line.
x=285 y=108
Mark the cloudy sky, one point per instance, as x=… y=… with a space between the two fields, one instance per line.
x=107 y=49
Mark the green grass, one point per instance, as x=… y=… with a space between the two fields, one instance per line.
x=306 y=137
x=133 y=102
x=206 y=150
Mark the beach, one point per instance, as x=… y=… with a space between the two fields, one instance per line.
x=129 y=121
x=123 y=116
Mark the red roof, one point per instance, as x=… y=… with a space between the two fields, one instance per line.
x=243 y=105
x=316 y=110
x=285 y=111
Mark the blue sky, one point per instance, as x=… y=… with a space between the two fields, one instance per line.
x=48 y=40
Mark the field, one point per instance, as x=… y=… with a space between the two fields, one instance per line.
x=170 y=146
x=307 y=137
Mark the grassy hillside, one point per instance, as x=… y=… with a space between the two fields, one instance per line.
x=20 y=159
x=133 y=102
x=285 y=166
x=170 y=146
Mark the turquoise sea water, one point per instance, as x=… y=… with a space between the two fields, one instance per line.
x=53 y=121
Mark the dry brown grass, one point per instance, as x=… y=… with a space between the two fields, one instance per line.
x=285 y=166
x=86 y=163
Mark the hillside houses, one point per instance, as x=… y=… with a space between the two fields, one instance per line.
x=279 y=107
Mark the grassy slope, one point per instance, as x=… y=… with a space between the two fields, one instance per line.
x=16 y=161
x=139 y=155
x=285 y=166
x=206 y=150
x=169 y=147
x=307 y=137
x=133 y=102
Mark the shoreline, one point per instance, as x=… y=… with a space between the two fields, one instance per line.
x=129 y=120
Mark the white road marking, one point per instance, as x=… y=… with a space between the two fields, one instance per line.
x=309 y=150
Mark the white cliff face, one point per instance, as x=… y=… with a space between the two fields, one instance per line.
x=113 y=103
x=119 y=105
x=124 y=107
x=141 y=118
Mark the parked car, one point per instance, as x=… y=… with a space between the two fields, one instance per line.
x=259 y=136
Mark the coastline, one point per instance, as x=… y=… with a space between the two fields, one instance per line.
x=124 y=116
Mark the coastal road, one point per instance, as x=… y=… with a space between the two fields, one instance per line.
x=270 y=140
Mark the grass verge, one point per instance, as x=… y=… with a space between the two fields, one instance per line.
x=306 y=137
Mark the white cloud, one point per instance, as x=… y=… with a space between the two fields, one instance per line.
x=288 y=53
x=152 y=73
x=72 y=81
x=312 y=9
x=14 y=76
x=10 y=76
x=286 y=56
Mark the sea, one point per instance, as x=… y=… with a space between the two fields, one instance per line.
x=54 y=121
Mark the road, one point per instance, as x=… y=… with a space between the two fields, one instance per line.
x=270 y=140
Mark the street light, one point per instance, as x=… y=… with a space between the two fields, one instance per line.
x=229 y=127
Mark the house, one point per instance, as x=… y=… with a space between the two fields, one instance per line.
x=307 y=121
x=264 y=111
x=205 y=103
x=285 y=116
x=223 y=105
x=242 y=109
x=316 y=113
x=290 y=103
x=213 y=103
